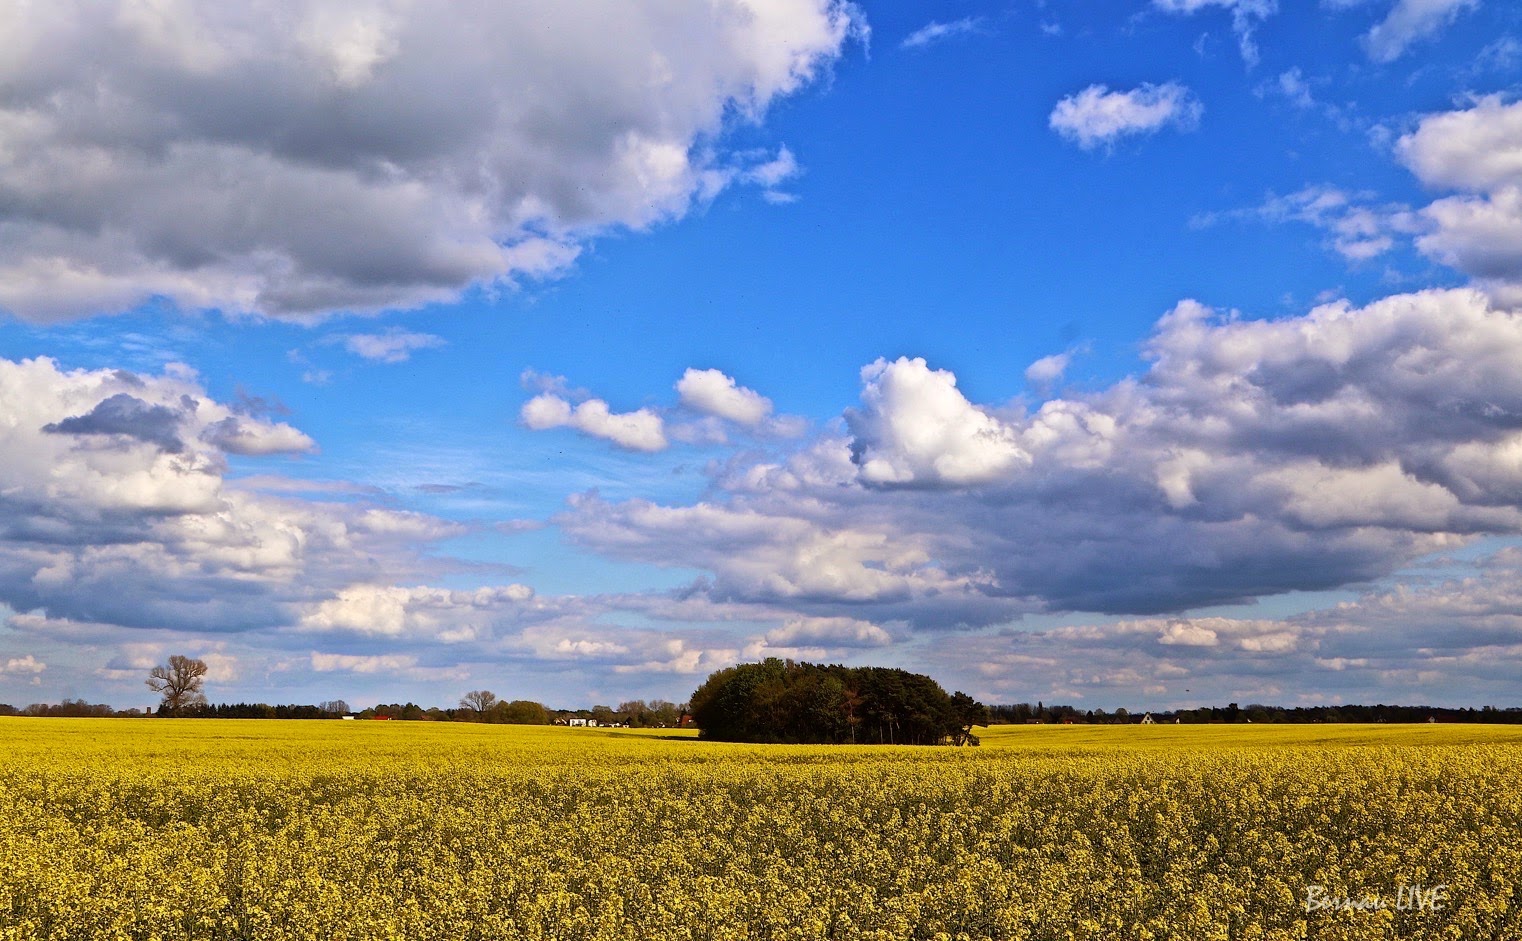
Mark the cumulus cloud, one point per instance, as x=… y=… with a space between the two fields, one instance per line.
x=916 y=427
x=393 y=346
x=935 y=31
x=1245 y=17
x=22 y=666
x=639 y=430
x=115 y=509
x=718 y=401
x=1251 y=458
x=713 y=393
x=1048 y=369
x=829 y=633
x=1408 y=22
x=1097 y=116
x=1477 y=151
x=767 y=556
x=415 y=613
x=301 y=158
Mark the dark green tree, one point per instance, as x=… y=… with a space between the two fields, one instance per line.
x=786 y=701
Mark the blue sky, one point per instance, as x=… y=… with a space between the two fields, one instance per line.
x=1138 y=354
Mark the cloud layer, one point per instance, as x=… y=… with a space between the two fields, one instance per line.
x=300 y=158
x=116 y=508
x=1252 y=458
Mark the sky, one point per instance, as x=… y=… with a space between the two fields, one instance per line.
x=1152 y=354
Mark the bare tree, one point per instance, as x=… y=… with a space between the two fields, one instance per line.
x=480 y=700
x=179 y=682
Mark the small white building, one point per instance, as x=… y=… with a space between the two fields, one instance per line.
x=1147 y=719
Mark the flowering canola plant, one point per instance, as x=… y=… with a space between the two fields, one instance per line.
x=164 y=830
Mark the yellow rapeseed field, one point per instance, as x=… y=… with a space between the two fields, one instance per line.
x=192 y=829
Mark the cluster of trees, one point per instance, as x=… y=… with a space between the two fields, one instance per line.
x=1256 y=712
x=640 y=714
x=786 y=701
x=482 y=705
x=69 y=709
x=258 y=710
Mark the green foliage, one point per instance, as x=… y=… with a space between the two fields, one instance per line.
x=785 y=701
x=521 y=712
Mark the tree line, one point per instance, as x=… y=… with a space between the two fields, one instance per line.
x=771 y=701
x=180 y=683
x=786 y=701
x=1025 y=712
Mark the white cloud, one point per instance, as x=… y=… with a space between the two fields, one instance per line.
x=1476 y=230
x=19 y=666
x=830 y=633
x=934 y=32
x=1048 y=369
x=1188 y=634
x=362 y=663
x=220 y=667
x=1245 y=17
x=1291 y=84
x=767 y=556
x=773 y=173
x=449 y=616
x=114 y=508
x=236 y=435
x=639 y=430
x=1253 y=457
x=1098 y=116
x=1357 y=229
x=297 y=158
x=393 y=346
x=1408 y=22
x=711 y=392
x=917 y=428
x=1477 y=151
